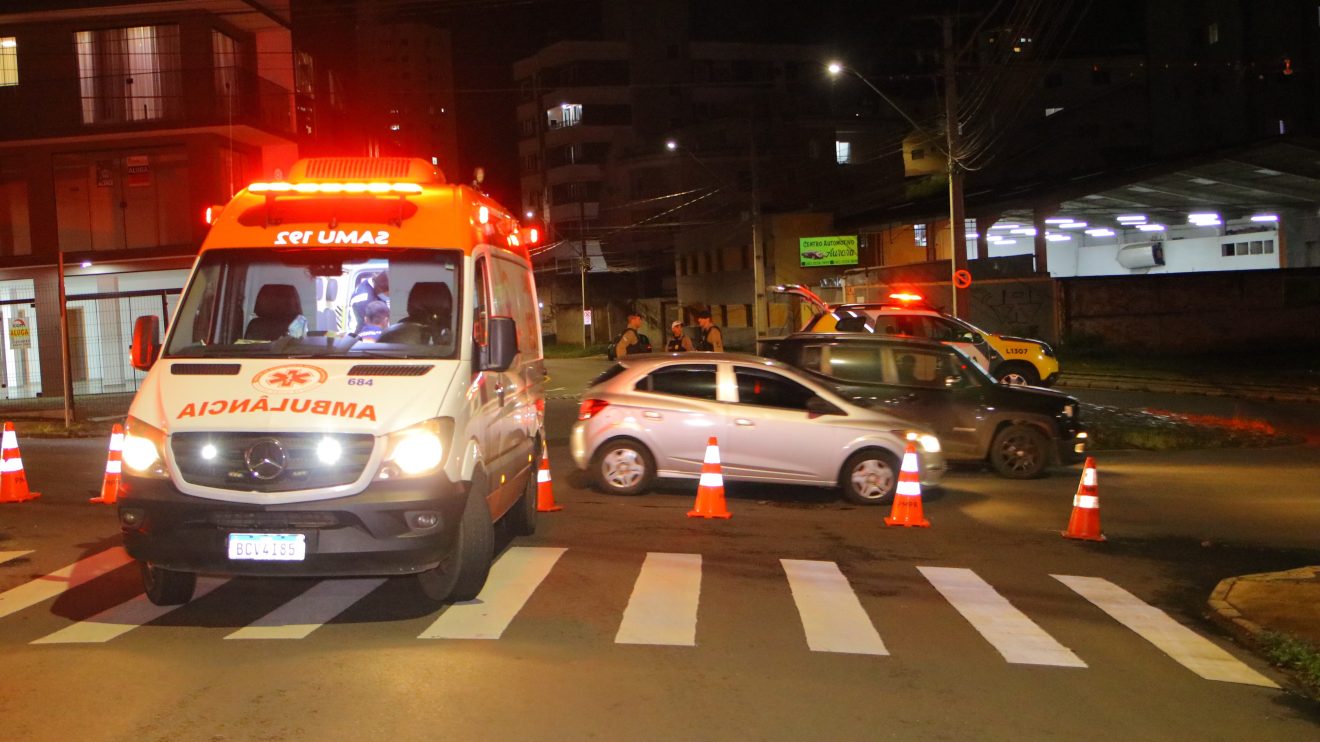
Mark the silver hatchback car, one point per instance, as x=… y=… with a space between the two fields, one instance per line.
x=651 y=416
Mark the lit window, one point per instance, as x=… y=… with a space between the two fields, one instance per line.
x=919 y=234
x=1052 y=111
x=567 y=114
x=1212 y=33
x=8 y=60
x=842 y=152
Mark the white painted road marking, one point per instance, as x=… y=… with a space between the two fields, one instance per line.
x=1185 y=646
x=513 y=579
x=309 y=611
x=6 y=556
x=123 y=618
x=663 y=605
x=1017 y=637
x=43 y=588
x=832 y=616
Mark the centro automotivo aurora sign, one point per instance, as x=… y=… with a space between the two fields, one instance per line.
x=836 y=250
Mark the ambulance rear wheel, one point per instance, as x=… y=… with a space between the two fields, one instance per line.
x=165 y=586
x=462 y=574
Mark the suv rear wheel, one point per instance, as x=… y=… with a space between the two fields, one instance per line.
x=1019 y=452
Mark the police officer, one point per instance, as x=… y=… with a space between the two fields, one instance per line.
x=679 y=342
x=631 y=339
x=712 y=338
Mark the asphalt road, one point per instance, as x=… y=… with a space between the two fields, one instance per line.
x=622 y=618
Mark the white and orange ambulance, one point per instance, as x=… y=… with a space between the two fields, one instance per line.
x=277 y=434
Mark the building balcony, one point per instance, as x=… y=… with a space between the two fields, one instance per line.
x=146 y=102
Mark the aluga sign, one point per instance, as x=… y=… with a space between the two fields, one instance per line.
x=351 y=385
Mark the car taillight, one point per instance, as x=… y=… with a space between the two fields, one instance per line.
x=590 y=407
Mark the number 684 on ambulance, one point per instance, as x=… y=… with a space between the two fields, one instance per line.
x=351 y=385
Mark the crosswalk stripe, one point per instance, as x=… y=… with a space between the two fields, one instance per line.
x=309 y=611
x=1185 y=646
x=832 y=616
x=123 y=618
x=1008 y=630
x=66 y=578
x=8 y=555
x=663 y=605
x=513 y=579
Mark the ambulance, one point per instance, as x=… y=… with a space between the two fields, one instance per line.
x=273 y=436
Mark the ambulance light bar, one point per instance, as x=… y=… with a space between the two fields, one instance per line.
x=372 y=188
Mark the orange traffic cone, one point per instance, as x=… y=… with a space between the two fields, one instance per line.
x=907 y=499
x=545 y=492
x=113 y=465
x=13 y=482
x=1085 y=521
x=710 y=490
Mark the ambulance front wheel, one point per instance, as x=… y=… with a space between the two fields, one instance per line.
x=462 y=574
x=165 y=586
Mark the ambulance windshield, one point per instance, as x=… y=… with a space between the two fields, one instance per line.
x=396 y=303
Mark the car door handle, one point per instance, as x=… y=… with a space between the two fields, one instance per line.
x=743 y=422
x=652 y=415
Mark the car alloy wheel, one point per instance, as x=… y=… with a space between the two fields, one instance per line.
x=624 y=468
x=870 y=478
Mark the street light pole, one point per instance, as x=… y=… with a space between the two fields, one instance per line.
x=957 y=232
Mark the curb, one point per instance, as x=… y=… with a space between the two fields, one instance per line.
x=1246 y=631
x=1148 y=384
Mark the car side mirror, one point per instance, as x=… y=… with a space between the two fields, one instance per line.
x=146 y=342
x=818 y=406
x=501 y=344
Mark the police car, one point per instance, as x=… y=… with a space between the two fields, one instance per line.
x=1009 y=359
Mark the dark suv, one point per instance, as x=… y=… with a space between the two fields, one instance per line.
x=1018 y=430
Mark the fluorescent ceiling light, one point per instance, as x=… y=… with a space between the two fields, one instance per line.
x=1101 y=232
x=1029 y=231
x=1057 y=220
x=1151 y=227
x=1132 y=218
x=1005 y=225
x=1072 y=225
x=1057 y=237
x=1265 y=218
x=1201 y=216
x=1204 y=181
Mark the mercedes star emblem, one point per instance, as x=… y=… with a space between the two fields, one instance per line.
x=266 y=459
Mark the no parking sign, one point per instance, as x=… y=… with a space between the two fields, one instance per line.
x=962 y=279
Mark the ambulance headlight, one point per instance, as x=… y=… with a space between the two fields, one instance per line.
x=417 y=450
x=144 y=449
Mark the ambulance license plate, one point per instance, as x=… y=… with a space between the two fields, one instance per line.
x=279 y=547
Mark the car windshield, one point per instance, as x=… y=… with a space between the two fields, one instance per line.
x=375 y=302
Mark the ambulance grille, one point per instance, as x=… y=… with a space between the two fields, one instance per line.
x=359 y=168
x=382 y=370
x=205 y=369
x=299 y=467
x=272 y=519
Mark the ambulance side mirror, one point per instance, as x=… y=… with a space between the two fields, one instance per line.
x=501 y=344
x=146 y=342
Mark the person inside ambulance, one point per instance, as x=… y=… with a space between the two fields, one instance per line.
x=278 y=309
x=375 y=317
x=430 y=313
x=369 y=289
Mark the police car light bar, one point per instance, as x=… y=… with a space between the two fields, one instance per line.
x=907 y=297
x=371 y=188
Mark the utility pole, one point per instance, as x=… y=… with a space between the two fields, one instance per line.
x=957 y=228
x=758 y=261
x=582 y=260
x=65 y=361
